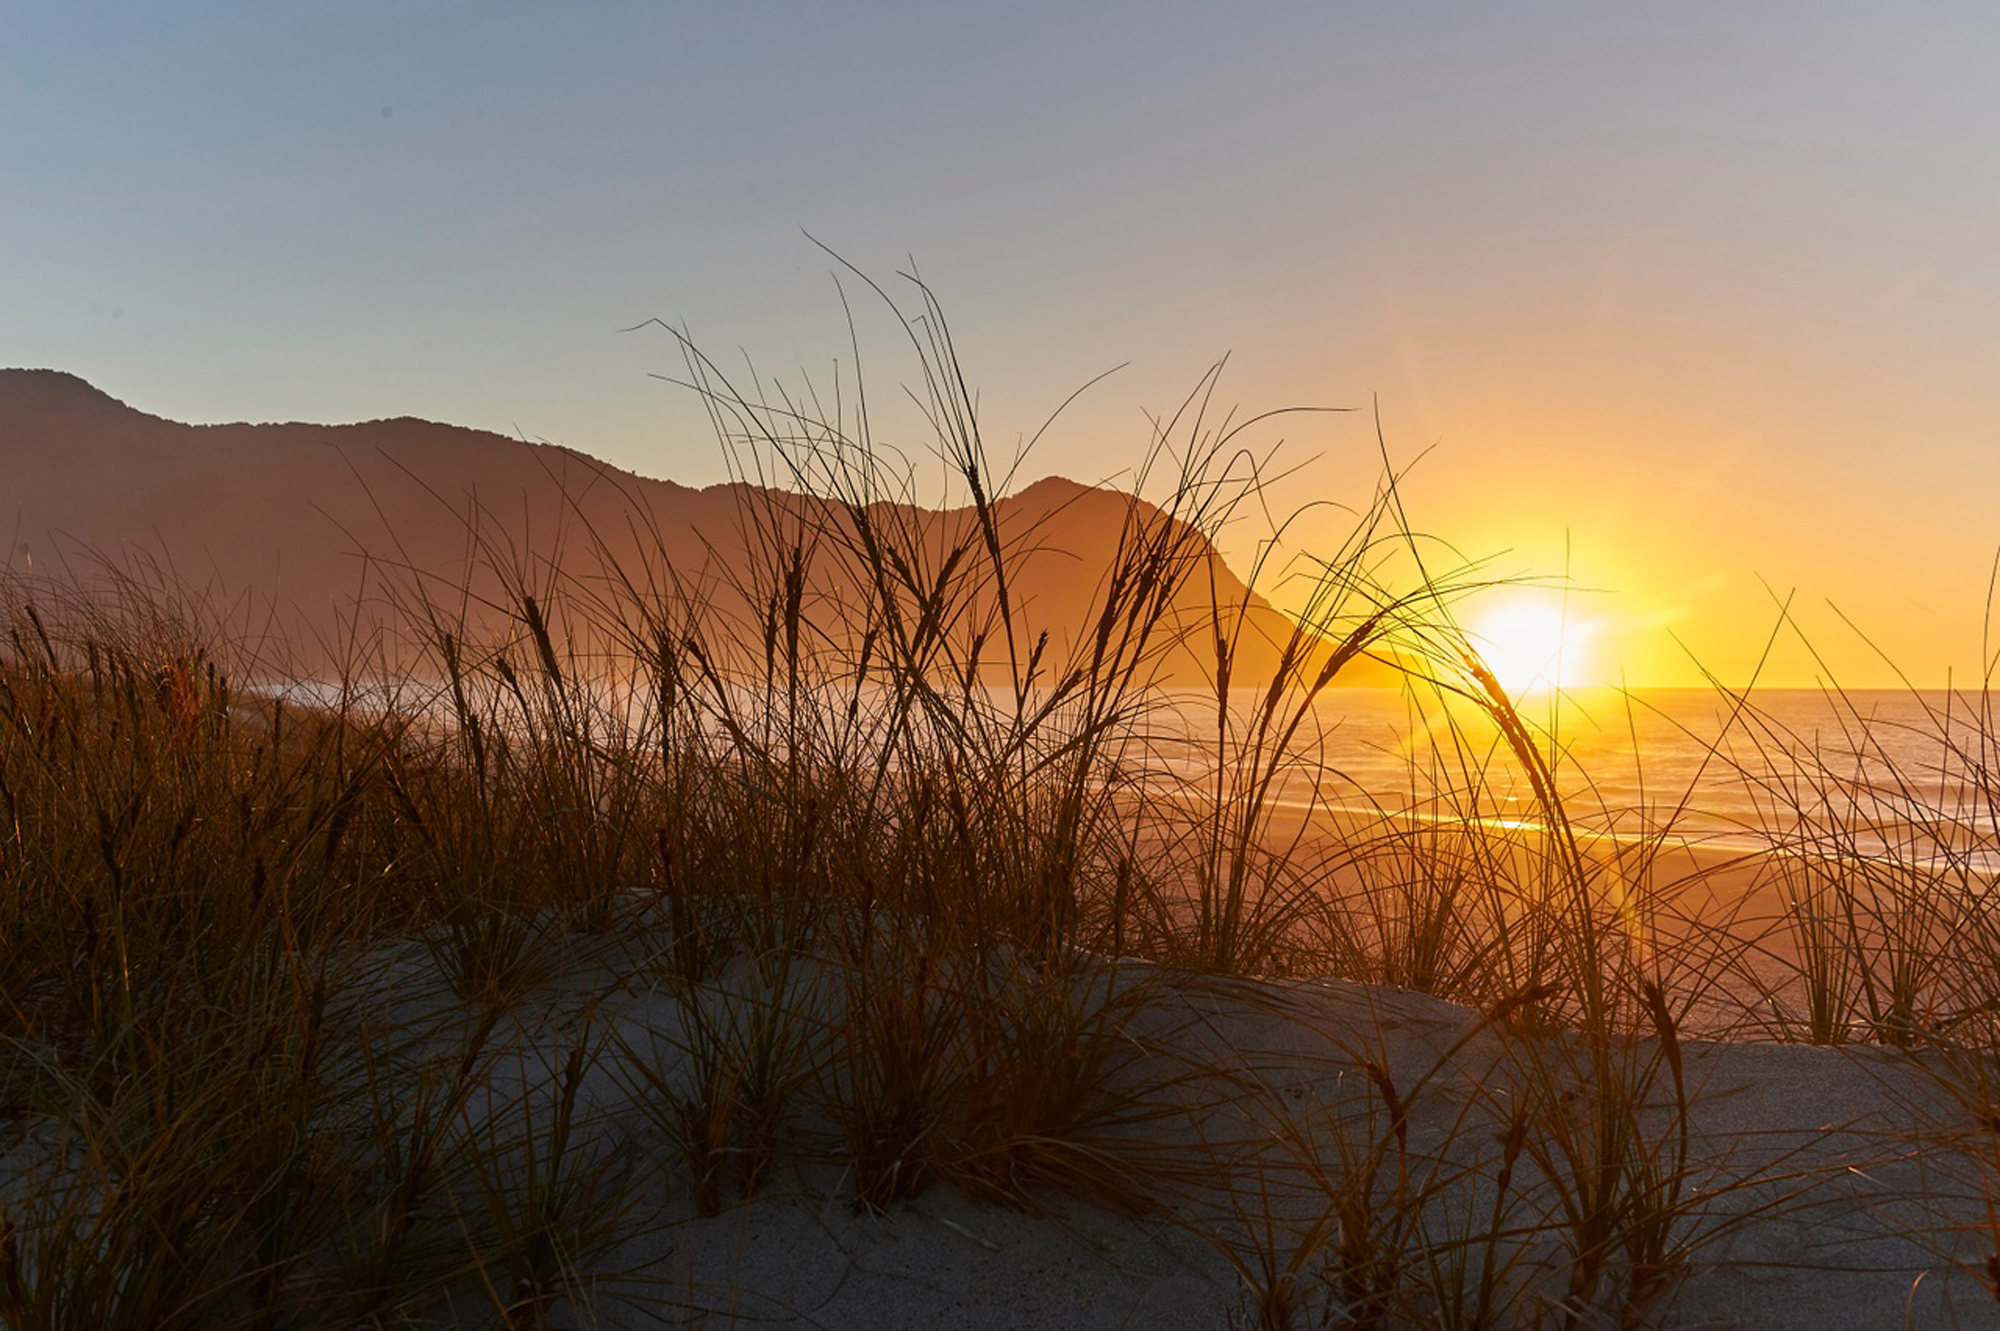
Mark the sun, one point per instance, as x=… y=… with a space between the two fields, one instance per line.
x=1529 y=641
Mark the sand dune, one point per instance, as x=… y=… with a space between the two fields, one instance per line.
x=1816 y=1193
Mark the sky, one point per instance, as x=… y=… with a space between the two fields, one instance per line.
x=1693 y=305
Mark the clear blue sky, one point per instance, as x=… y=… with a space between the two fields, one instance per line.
x=1710 y=292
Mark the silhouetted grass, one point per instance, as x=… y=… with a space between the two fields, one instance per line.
x=357 y=1001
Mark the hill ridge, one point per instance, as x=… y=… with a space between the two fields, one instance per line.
x=301 y=516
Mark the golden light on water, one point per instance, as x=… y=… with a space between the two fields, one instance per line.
x=1530 y=640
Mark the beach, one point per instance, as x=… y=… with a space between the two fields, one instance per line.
x=1817 y=1188
x=473 y=1018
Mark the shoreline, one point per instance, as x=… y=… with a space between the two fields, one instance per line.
x=1728 y=929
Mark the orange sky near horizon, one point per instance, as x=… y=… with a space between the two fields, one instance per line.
x=1677 y=575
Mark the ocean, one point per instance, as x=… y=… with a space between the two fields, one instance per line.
x=1906 y=776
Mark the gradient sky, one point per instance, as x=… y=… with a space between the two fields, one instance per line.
x=1706 y=294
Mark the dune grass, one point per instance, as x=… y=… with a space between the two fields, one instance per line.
x=894 y=876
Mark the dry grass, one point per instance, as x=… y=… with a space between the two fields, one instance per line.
x=264 y=950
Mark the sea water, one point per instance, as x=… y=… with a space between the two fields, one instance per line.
x=1905 y=775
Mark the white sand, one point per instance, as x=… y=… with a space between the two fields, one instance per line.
x=1830 y=1206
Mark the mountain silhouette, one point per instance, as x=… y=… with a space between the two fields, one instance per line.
x=318 y=528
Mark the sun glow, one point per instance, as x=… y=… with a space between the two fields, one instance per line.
x=1529 y=642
